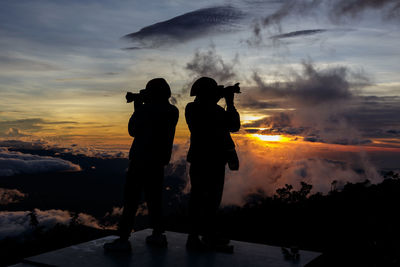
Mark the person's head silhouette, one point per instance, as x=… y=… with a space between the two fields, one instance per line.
x=206 y=90
x=158 y=90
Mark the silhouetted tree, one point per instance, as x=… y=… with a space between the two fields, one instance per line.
x=391 y=175
x=286 y=194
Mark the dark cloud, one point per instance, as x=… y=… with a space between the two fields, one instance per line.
x=253 y=102
x=278 y=123
x=209 y=63
x=278 y=120
x=313 y=86
x=323 y=105
x=394 y=132
x=18 y=144
x=336 y=10
x=317 y=104
x=376 y=116
x=390 y=8
x=281 y=123
x=133 y=48
x=187 y=27
x=343 y=141
x=298 y=33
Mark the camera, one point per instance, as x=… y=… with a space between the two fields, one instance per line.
x=233 y=89
x=139 y=97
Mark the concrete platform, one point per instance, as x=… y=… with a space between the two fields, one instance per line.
x=92 y=254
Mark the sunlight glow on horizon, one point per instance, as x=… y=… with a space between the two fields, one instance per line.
x=271 y=138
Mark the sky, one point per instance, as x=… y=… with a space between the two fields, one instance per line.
x=319 y=79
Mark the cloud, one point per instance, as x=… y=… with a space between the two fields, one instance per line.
x=337 y=12
x=322 y=105
x=316 y=103
x=15 y=132
x=13 y=163
x=298 y=33
x=313 y=86
x=267 y=168
x=92 y=152
x=19 y=144
x=9 y=196
x=390 y=8
x=8 y=63
x=334 y=9
x=376 y=115
x=209 y=63
x=89 y=220
x=187 y=27
x=278 y=123
x=74 y=149
x=22 y=126
x=18 y=223
x=116 y=211
x=252 y=102
x=370 y=116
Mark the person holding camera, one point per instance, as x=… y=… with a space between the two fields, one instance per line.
x=153 y=127
x=211 y=147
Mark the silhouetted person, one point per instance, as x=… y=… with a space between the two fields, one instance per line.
x=211 y=147
x=153 y=127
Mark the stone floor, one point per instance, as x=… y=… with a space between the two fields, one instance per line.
x=92 y=254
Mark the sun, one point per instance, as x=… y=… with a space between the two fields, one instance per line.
x=269 y=138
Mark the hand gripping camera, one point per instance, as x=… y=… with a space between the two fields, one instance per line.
x=233 y=89
x=139 y=97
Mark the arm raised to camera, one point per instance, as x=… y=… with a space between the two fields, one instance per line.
x=136 y=120
x=232 y=117
x=131 y=125
x=229 y=94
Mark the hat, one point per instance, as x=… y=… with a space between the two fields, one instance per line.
x=204 y=85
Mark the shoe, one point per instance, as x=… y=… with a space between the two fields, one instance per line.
x=194 y=243
x=118 y=245
x=157 y=240
x=292 y=254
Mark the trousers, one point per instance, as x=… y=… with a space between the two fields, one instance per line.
x=207 y=184
x=147 y=179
